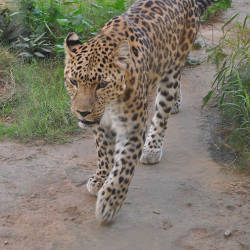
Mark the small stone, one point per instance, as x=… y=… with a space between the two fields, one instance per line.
x=192 y=61
x=33 y=196
x=199 y=44
x=227 y=233
x=156 y=212
x=230 y=207
x=189 y=204
x=6 y=243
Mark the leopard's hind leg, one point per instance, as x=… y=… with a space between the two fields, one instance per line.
x=167 y=100
x=177 y=101
x=167 y=93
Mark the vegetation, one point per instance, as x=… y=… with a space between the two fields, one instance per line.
x=32 y=47
x=51 y=21
x=39 y=105
x=231 y=86
x=216 y=9
x=9 y=29
x=57 y=18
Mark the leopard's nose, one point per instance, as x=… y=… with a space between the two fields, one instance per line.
x=83 y=113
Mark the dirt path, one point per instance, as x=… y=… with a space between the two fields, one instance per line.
x=186 y=202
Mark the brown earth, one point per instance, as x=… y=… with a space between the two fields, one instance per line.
x=188 y=201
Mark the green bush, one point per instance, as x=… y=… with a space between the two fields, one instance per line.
x=32 y=47
x=57 y=18
x=231 y=87
x=54 y=20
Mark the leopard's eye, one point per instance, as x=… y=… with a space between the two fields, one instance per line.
x=74 y=82
x=101 y=85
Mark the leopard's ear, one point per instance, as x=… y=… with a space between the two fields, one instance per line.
x=72 y=41
x=122 y=55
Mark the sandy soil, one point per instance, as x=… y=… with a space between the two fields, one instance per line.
x=186 y=202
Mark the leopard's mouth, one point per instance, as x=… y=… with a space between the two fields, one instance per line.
x=83 y=123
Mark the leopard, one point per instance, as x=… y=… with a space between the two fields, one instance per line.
x=110 y=79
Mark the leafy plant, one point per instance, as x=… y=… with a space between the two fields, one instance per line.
x=33 y=47
x=9 y=30
x=57 y=18
x=231 y=86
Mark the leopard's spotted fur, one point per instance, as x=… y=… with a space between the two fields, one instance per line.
x=109 y=79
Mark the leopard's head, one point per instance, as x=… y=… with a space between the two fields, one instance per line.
x=95 y=74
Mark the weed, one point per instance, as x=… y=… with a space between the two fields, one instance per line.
x=55 y=19
x=7 y=85
x=58 y=18
x=231 y=86
x=32 y=47
x=6 y=60
x=215 y=9
x=9 y=29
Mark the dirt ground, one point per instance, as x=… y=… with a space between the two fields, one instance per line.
x=188 y=201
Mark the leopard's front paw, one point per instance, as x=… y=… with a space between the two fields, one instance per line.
x=94 y=184
x=109 y=202
x=151 y=155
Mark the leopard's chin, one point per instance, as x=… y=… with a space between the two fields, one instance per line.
x=81 y=125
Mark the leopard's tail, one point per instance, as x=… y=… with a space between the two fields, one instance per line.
x=204 y=4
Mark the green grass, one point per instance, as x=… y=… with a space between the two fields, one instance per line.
x=231 y=87
x=40 y=107
x=215 y=9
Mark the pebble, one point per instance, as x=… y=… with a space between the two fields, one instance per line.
x=189 y=204
x=199 y=44
x=6 y=242
x=156 y=212
x=227 y=233
x=230 y=207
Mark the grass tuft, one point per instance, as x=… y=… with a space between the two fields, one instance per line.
x=231 y=87
x=40 y=108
